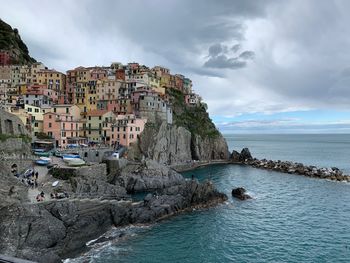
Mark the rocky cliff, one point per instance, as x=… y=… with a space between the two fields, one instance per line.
x=56 y=229
x=192 y=136
x=11 y=41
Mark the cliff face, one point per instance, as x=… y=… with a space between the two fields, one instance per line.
x=49 y=231
x=193 y=136
x=11 y=41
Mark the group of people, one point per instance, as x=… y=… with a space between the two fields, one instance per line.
x=40 y=197
x=31 y=179
x=59 y=195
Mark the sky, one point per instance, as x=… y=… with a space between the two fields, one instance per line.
x=261 y=66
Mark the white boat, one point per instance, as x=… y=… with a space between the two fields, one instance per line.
x=67 y=159
x=45 y=158
x=76 y=162
x=55 y=183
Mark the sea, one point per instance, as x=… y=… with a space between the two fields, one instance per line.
x=291 y=218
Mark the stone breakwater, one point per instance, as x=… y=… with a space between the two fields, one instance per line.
x=332 y=173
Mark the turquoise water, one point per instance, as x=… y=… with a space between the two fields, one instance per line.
x=290 y=219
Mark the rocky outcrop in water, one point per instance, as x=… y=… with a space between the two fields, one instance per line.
x=240 y=193
x=300 y=169
x=245 y=155
x=333 y=173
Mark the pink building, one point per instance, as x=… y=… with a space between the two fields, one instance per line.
x=126 y=129
x=62 y=127
x=98 y=74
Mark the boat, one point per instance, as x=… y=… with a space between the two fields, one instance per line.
x=76 y=162
x=45 y=154
x=45 y=158
x=58 y=154
x=42 y=162
x=55 y=183
x=69 y=155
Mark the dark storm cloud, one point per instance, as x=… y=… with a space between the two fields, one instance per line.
x=223 y=61
x=235 y=48
x=247 y=55
x=219 y=57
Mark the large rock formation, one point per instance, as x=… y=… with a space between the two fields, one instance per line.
x=171 y=144
x=192 y=136
x=52 y=230
x=167 y=144
x=148 y=176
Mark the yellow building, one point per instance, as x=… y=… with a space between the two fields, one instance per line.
x=52 y=79
x=36 y=117
x=94 y=125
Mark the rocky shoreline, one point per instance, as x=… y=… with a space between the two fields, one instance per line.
x=56 y=229
x=334 y=173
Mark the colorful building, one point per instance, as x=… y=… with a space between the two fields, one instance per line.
x=61 y=127
x=126 y=129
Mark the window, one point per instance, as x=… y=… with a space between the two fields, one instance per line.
x=89 y=118
x=36 y=110
x=29 y=109
x=67 y=110
x=36 y=124
x=124 y=136
x=54 y=109
x=50 y=124
x=100 y=117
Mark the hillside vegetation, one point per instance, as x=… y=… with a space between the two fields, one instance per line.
x=194 y=118
x=10 y=40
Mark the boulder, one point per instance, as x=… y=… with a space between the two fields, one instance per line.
x=235 y=156
x=148 y=176
x=245 y=155
x=240 y=193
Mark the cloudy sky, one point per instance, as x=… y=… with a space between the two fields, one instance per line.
x=261 y=66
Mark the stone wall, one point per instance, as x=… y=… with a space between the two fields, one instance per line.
x=15 y=151
x=92 y=155
x=11 y=124
x=65 y=173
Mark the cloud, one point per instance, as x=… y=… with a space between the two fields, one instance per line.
x=218 y=57
x=246 y=55
x=235 y=48
x=243 y=56
x=223 y=61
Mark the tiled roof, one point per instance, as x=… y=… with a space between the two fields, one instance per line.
x=96 y=113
